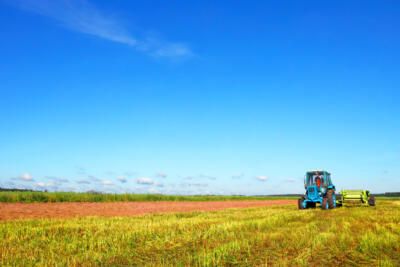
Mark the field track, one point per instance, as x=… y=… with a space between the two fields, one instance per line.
x=10 y=211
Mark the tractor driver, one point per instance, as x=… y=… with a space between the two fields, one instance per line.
x=317 y=179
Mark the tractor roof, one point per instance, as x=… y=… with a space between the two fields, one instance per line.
x=320 y=172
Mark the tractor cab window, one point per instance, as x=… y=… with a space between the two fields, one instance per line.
x=318 y=180
x=309 y=180
x=328 y=182
x=314 y=179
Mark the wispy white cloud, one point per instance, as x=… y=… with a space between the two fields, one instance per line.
x=262 y=178
x=81 y=170
x=171 y=50
x=107 y=182
x=25 y=177
x=94 y=178
x=82 y=16
x=129 y=173
x=122 y=179
x=159 y=184
x=205 y=176
x=43 y=184
x=194 y=185
x=238 y=176
x=57 y=180
x=8 y=184
x=153 y=190
x=144 y=181
x=161 y=175
x=83 y=182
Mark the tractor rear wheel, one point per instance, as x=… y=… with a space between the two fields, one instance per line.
x=324 y=203
x=371 y=201
x=329 y=196
x=300 y=203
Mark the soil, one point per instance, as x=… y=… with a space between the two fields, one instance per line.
x=11 y=211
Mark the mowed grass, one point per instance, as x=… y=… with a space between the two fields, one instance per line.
x=270 y=236
x=33 y=197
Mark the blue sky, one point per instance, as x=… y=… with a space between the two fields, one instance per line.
x=223 y=97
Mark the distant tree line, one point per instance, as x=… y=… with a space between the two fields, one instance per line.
x=16 y=190
x=389 y=194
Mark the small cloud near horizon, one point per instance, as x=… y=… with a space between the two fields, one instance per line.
x=57 y=180
x=25 y=177
x=43 y=184
x=130 y=173
x=83 y=182
x=209 y=177
x=94 y=178
x=159 y=184
x=107 y=182
x=194 y=185
x=122 y=179
x=262 y=178
x=81 y=170
x=153 y=190
x=237 y=176
x=161 y=175
x=144 y=181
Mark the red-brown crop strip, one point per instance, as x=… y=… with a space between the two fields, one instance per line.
x=11 y=211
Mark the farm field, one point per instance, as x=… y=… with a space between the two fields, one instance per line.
x=261 y=236
x=79 y=209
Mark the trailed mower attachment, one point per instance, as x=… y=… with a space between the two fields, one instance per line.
x=357 y=197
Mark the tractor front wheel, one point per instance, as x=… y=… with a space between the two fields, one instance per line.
x=300 y=203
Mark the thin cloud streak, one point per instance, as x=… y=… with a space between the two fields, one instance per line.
x=81 y=16
x=107 y=183
x=144 y=181
x=25 y=177
x=57 y=180
x=122 y=179
x=162 y=175
x=83 y=182
x=262 y=178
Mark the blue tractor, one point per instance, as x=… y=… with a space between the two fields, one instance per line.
x=319 y=190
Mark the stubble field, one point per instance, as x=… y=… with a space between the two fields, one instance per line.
x=277 y=235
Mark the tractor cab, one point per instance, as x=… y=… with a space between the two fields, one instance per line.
x=320 y=179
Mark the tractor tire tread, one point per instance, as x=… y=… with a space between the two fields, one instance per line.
x=371 y=201
x=300 y=204
x=329 y=196
x=324 y=201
